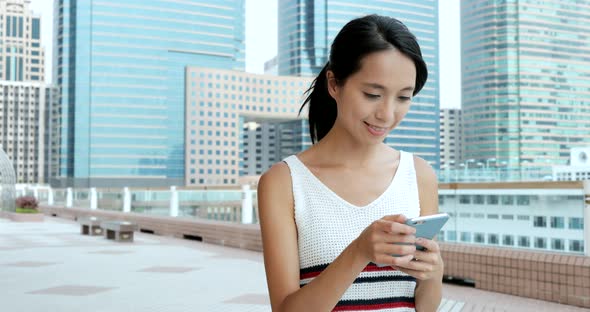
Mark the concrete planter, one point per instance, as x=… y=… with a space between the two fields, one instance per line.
x=25 y=217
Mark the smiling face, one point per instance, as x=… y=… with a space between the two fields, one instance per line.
x=375 y=99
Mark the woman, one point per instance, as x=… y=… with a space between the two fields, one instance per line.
x=332 y=217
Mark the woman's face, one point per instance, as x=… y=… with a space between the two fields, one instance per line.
x=375 y=99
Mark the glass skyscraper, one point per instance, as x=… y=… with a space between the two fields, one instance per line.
x=308 y=27
x=526 y=80
x=120 y=66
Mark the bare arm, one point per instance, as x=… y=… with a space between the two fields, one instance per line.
x=281 y=258
x=429 y=291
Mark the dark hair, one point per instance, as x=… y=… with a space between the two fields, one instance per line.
x=355 y=40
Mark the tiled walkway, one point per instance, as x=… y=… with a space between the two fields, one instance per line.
x=49 y=266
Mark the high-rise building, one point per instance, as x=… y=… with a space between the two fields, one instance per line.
x=450 y=137
x=25 y=128
x=308 y=27
x=266 y=142
x=219 y=103
x=120 y=66
x=526 y=80
x=22 y=58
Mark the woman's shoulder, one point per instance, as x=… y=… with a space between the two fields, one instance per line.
x=424 y=171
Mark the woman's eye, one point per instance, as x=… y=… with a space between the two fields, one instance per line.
x=405 y=98
x=371 y=96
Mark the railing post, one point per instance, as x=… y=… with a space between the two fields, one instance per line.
x=173 y=202
x=586 y=218
x=126 y=200
x=246 y=204
x=69 y=198
x=50 y=196
x=93 y=199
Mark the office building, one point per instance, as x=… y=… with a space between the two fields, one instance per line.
x=25 y=128
x=526 y=80
x=22 y=58
x=546 y=216
x=578 y=168
x=450 y=137
x=271 y=67
x=120 y=66
x=307 y=29
x=220 y=104
x=267 y=142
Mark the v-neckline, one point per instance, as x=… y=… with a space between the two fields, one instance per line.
x=340 y=198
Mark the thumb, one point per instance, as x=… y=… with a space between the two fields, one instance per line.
x=399 y=218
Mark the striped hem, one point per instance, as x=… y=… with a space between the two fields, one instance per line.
x=375 y=304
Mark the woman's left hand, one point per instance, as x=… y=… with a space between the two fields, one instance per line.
x=427 y=264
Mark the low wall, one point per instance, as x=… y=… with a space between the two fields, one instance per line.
x=245 y=236
x=555 y=277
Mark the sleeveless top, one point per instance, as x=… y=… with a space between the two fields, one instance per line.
x=327 y=224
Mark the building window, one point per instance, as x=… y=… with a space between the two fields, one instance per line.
x=466 y=237
x=493 y=239
x=507 y=200
x=465 y=199
x=576 y=245
x=478 y=215
x=492 y=199
x=523 y=218
x=493 y=216
x=478 y=199
x=508 y=240
x=540 y=242
x=451 y=236
x=576 y=223
x=540 y=221
x=523 y=200
x=479 y=238
x=557 y=222
x=557 y=244
x=524 y=241
x=507 y=217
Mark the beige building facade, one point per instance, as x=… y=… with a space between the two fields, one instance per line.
x=22 y=58
x=450 y=137
x=218 y=105
x=24 y=128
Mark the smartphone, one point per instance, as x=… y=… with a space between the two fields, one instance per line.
x=428 y=226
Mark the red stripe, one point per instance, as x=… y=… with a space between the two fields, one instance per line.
x=375 y=306
x=375 y=268
x=368 y=268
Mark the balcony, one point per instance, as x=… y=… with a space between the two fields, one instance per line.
x=197 y=235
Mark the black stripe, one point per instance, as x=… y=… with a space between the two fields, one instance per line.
x=387 y=278
x=376 y=279
x=342 y=303
x=321 y=267
x=314 y=268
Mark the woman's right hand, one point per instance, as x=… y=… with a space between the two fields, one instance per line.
x=381 y=239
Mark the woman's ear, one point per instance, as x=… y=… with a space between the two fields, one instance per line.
x=332 y=84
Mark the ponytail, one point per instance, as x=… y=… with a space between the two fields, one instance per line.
x=322 y=109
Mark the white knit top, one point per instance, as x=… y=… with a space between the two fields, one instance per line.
x=327 y=224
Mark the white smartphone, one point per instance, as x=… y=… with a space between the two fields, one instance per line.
x=428 y=226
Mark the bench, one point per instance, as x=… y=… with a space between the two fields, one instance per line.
x=90 y=226
x=121 y=231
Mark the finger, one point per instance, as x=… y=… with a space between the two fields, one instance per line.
x=419 y=275
x=429 y=244
x=397 y=249
x=402 y=228
x=399 y=218
x=425 y=256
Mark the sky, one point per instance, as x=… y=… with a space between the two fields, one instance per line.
x=261 y=42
